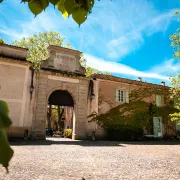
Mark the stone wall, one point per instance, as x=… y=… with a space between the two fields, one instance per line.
x=46 y=84
x=15 y=80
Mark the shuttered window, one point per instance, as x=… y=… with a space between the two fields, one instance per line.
x=158 y=100
x=122 y=96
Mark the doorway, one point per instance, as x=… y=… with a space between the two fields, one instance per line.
x=157 y=126
x=60 y=114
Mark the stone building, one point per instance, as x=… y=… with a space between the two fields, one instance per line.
x=60 y=81
x=112 y=91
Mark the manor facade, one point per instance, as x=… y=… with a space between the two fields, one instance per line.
x=60 y=81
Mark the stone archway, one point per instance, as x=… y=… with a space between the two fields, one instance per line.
x=61 y=97
x=64 y=101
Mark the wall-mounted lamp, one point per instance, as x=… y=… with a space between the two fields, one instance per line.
x=31 y=89
x=92 y=96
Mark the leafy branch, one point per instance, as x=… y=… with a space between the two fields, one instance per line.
x=79 y=9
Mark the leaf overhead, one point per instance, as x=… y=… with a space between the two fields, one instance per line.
x=61 y=8
x=80 y=15
x=37 y=6
x=54 y=2
x=79 y=9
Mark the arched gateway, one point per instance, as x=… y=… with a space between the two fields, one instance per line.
x=61 y=81
x=61 y=98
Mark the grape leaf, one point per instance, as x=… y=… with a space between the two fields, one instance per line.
x=5 y=121
x=69 y=5
x=60 y=6
x=54 y=2
x=80 y=15
x=6 y=152
x=37 y=6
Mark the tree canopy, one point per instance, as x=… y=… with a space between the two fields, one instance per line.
x=38 y=44
x=175 y=81
x=79 y=9
x=2 y=41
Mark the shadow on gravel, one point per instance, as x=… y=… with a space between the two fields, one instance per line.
x=47 y=142
x=54 y=141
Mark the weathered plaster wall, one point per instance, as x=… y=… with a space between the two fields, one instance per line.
x=14 y=89
x=107 y=99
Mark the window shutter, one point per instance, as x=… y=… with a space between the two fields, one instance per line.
x=158 y=100
x=127 y=96
x=117 y=94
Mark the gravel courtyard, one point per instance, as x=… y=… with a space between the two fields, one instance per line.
x=64 y=159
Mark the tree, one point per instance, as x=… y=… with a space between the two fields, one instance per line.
x=79 y=9
x=38 y=49
x=2 y=41
x=175 y=81
x=38 y=46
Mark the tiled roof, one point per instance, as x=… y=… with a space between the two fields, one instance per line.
x=124 y=80
x=15 y=47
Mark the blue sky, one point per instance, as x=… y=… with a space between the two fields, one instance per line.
x=129 y=38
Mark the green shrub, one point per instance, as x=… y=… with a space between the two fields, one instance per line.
x=68 y=133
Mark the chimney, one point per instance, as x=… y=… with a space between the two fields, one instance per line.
x=163 y=83
x=140 y=79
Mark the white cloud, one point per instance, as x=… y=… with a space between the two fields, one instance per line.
x=114 y=29
x=104 y=65
x=168 y=67
x=134 y=37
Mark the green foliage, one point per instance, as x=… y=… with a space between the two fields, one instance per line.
x=2 y=41
x=6 y=152
x=68 y=133
x=127 y=121
x=90 y=71
x=38 y=46
x=175 y=81
x=79 y=9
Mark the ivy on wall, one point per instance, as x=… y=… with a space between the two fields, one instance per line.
x=131 y=119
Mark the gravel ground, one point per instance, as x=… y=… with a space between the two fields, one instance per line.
x=64 y=159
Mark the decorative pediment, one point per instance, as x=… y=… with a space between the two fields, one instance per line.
x=63 y=59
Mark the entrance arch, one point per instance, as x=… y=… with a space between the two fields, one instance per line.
x=63 y=103
x=61 y=98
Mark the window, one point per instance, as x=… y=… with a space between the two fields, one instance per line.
x=158 y=100
x=122 y=96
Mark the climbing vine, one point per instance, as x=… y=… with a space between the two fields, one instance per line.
x=130 y=120
x=79 y=9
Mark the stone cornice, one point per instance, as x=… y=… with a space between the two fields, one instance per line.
x=65 y=50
